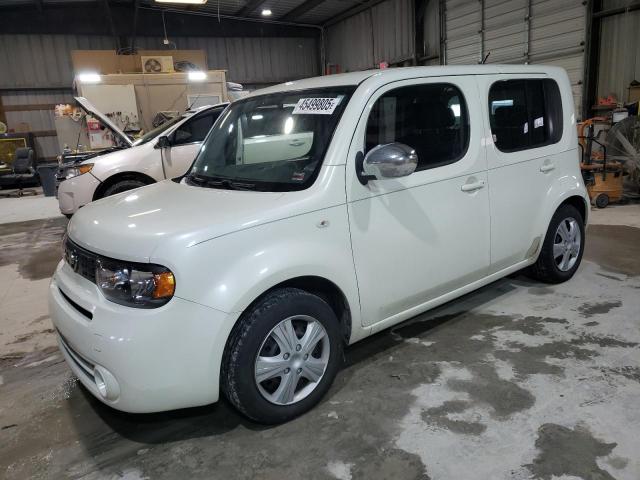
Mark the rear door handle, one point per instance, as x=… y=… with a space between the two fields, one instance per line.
x=296 y=143
x=472 y=187
x=547 y=167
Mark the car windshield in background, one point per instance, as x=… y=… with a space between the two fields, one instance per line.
x=272 y=142
x=151 y=134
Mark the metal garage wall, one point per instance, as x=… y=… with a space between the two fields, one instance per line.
x=384 y=32
x=41 y=122
x=619 y=57
x=518 y=31
x=45 y=61
x=35 y=62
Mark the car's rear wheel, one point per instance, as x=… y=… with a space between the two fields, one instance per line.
x=282 y=356
x=563 y=247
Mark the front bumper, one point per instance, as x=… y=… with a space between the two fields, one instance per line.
x=76 y=192
x=138 y=360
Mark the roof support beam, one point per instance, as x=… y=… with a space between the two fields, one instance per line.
x=349 y=12
x=301 y=9
x=249 y=8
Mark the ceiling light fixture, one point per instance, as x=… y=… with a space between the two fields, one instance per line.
x=266 y=12
x=195 y=2
x=89 y=77
x=197 y=76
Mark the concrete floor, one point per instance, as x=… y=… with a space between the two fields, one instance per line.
x=518 y=380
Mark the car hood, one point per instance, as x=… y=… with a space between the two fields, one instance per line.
x=89 y=108
x=131 y=225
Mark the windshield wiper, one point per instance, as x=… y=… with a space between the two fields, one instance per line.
x=214 y=182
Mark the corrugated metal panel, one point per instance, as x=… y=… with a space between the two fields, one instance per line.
x=619 y=56
x=431 y=26
x=251 y=60
x=462 y=31
x=327 y=9
x=384 y=32
x=553 y=34
x=350 y=43
x=45 y=60
x=38 y=120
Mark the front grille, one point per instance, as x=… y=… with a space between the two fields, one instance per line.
x=82 y=261
x=81 y=362
x=83 y=311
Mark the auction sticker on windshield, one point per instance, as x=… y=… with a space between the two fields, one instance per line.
x=316 y=106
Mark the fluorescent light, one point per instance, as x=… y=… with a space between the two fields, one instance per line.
x=197 y=2
x=197 y=76
x=89 y=77
x=266 y=12
x=257 y=117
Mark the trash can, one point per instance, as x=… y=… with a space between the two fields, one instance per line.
x=47 y=173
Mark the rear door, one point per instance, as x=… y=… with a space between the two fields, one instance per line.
x=186 y=141
x=524 y=120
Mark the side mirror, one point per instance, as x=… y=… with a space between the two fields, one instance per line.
x=163 y=142
x=391 y=160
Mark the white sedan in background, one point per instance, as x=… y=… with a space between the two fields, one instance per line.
x=165 y=152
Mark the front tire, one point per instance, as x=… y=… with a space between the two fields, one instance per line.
x=563 y=247
x=282 y=356
x=123 y=186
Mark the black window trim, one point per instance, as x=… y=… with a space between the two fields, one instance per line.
x=552 y=138
x=427 y=83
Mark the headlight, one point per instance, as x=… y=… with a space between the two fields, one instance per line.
x=79 y=170
x=139 y=285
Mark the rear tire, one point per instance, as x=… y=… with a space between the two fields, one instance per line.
x=563 y=247
x=260 y=338
x=123 y=186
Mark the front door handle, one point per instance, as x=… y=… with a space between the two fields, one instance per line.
x=547 y=167
x=472 y=187
x=296 y=143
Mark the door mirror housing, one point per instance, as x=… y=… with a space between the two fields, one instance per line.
x=163 y=142
x=391 y=160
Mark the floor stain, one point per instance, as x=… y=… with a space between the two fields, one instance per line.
x=440 y=417
x=588 y=310
x=35 y=246
x=602 y=238
x=570 y=452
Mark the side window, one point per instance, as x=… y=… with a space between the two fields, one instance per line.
x=430 y=118
x=194 y=130
x=525 y=113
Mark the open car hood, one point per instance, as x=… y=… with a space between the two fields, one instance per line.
x=88 y=107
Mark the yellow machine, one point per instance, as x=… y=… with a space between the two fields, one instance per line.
x=603 y=179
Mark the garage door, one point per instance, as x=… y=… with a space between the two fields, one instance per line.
x=518 y=31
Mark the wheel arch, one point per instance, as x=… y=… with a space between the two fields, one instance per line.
x=579 y=203
x=112 y=180
x=323 y=288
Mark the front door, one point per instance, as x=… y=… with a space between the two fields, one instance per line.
x=186 y=141
x=419 y=237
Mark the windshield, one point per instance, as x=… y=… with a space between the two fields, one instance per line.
x=273 y=142
x=151 y=134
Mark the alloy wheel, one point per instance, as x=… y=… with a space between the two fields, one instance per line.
x=292 y=360
x=566 y=244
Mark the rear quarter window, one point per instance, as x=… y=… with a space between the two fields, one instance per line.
x=525 y=113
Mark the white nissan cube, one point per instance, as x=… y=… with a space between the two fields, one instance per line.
x=317 y=213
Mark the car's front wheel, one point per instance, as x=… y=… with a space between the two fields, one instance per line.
x=563 y=247
x=282 y=356
x=123 y=186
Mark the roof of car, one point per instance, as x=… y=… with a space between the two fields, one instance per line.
x=394 y=74
x=206 y=107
